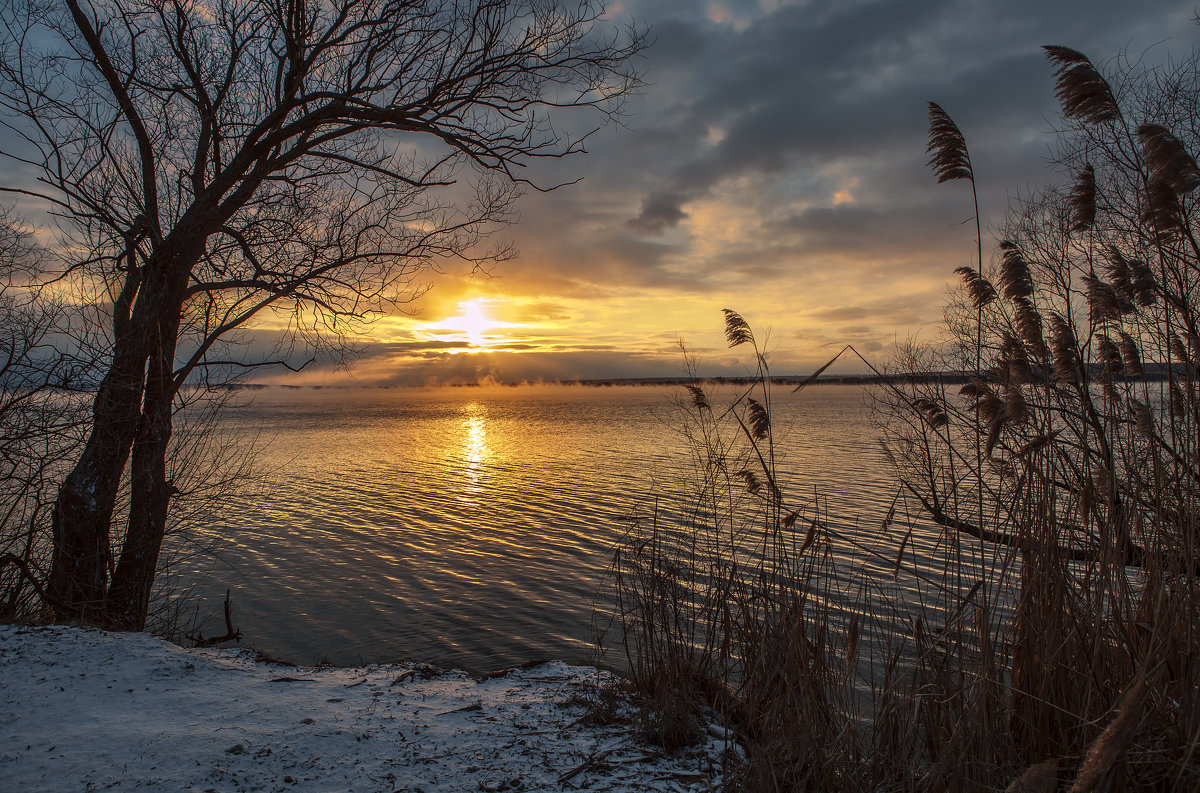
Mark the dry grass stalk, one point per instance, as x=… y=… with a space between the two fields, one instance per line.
x=1060 y=496
x=1111 y=744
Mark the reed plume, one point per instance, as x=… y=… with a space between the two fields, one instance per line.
x=1083 y=200
x=979 y=288
x=993 y=436
x=1038 y=441
x=1016 y=409
x=760 y=420
x=1132 y=278
x=1142 y=284
x=1178 y=351
x=1013 y=366
x=1167 y=159
x=1039 y=778
x=1130 y=356
x=1015 y=279
x=699 y=398
x=1104 y=305
x=934 y=414
x=1108 y=748
x=1109 y=355
x=1065 y=360
x=812 y=377
x=982 y=398
x=1162 y=214
x=1143 y=418
x=1082 y=92
x=750 y=480
x=737 y=330
x=1029 y=325
x=947 y=149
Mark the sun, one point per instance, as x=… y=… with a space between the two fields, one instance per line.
x=472 y=321
x=471 y=325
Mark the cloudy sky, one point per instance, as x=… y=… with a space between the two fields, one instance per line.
x=775 y=164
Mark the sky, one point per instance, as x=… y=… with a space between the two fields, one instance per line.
x=774 y=163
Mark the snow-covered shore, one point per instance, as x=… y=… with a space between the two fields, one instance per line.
x=84 y=710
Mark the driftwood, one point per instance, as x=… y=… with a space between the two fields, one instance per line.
x=231 y=634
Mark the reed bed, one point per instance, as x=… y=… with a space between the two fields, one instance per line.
x=1059 y=647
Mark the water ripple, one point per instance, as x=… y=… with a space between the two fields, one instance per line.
x=474 y=528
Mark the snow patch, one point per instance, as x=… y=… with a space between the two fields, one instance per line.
x=84 y=710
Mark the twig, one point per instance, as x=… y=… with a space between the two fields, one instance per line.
x=231 y=634
x=473 y=706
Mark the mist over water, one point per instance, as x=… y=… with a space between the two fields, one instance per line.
x=472 y=527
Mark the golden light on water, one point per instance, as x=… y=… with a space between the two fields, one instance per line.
x=474 y=452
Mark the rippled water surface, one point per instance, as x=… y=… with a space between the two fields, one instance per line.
x=472 y=527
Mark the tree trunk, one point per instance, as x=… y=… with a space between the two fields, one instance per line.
x=83 y=512
x=150 y=492
x=144 y=329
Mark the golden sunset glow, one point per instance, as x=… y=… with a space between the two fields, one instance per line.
x=822 y=229
x=471 y=325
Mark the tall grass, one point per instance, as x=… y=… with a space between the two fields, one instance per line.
x=1051 y=446
x=714 y=589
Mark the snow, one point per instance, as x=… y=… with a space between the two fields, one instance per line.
x=85 y=710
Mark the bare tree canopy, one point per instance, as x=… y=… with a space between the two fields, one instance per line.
x=211 y=160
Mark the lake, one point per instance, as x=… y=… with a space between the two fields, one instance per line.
x=473 y=527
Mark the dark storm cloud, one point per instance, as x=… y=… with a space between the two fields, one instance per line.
x=811 y=84
x=660 y=211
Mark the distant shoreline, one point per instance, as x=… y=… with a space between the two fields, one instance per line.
x=1154 y=373
x=791 y=380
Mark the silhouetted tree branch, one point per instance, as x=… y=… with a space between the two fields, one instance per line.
x=209 y=162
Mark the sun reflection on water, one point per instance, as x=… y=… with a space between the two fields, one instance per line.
x=474 y=452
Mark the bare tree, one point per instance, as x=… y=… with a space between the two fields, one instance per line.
x=212 y=161
x=40 y=420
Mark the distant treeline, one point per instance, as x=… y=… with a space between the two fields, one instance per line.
x=1153 y=373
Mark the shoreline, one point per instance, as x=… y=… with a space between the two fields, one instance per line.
x=83 y=709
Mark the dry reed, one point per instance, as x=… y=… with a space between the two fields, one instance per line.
x=1059 y=645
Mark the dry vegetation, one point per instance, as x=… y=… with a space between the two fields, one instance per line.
x=1059 y=649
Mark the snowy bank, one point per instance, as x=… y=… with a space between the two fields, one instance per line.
x=87 y=710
